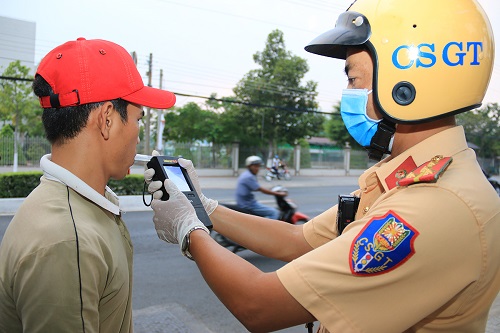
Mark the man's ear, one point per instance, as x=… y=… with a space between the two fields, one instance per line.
x=105 y=114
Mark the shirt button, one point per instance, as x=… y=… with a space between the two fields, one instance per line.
x=365 y=210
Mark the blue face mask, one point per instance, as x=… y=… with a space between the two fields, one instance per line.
x=353 y=112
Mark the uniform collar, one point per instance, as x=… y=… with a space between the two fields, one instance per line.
x=447 y=143
x=57 y=173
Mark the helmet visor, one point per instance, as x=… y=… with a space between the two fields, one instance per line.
x=351 y=29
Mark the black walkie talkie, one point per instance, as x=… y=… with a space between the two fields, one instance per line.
x=169 y=167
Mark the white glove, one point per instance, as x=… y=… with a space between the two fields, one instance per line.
x=153 y=187
x=208 y=204
x=175 y=218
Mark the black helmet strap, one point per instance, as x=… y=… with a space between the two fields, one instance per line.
x=381 y=140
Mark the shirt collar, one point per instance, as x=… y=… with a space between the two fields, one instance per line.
x=57 y=173
x=447 y=143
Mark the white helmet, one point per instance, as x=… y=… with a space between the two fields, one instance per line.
x=252 y=160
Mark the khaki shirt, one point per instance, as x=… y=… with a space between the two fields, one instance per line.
x=65 y=264
x=418 y=258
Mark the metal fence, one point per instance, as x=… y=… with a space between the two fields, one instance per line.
x=30 y=150
x=221 y=156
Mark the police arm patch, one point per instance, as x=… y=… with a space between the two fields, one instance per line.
x=385 y=243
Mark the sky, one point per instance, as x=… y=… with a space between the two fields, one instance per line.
x=205 y=46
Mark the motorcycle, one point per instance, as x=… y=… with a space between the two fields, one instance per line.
x=280 y=173
x=493 y=182
x=288 y=214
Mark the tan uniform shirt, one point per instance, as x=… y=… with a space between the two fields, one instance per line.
x=66 y=264
x=418 y=258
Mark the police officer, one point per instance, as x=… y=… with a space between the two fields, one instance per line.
x=421 y=253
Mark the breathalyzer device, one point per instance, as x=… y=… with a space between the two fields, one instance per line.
x=169 y=167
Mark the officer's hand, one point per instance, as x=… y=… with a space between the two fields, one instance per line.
x=208 y=204
x=175 y=218
x=154 y=187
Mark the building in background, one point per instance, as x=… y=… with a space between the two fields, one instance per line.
x=17 y=42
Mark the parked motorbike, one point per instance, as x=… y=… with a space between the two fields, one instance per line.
x=493 y=182
x=288 y=213
x=281 y=173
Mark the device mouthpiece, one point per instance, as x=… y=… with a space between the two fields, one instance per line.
x=142 y=158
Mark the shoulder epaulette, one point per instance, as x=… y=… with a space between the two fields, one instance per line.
x=428 y=172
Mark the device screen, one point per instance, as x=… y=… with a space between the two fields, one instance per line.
x=175 y=174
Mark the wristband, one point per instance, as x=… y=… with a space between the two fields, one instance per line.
x=187 y=241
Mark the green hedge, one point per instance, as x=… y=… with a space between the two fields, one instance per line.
x=130 y=185
x=20 y=184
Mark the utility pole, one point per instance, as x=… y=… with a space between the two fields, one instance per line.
x=134 y=57
x=16 y=139
x=147 y=149
x=159 y=129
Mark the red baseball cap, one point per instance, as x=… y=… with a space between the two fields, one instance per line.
x=89 y=71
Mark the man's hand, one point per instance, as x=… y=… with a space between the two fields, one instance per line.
x=208 y=204
x=153 y=187
x=175 y=218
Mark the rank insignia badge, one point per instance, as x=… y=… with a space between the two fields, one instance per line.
x=385 y=243
x=427 y=172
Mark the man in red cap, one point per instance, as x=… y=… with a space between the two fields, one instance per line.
x=66 y=257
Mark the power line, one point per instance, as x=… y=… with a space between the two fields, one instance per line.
x=198 y=73
x=223 y=100
x=201 y=75
x=233 y=15
x=10 y=78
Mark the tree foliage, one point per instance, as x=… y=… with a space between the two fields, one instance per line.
x=482 y=129
x=190 y=123
x=18 y=104
x=270 y=105
x=275 y=98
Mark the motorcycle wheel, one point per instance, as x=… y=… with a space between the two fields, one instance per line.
x=288 y=176
x=268 y=178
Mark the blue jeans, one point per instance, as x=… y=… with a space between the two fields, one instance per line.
x=265 y=211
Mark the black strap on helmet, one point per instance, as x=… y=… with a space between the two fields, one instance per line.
x=381 y=140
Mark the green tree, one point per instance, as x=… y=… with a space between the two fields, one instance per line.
x=18 y=104
x=482 y=129
x=224 y=127
x=274 y=98
x=191 y=123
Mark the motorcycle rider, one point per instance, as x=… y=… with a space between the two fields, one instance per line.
x=421 y=254
x=247 y=184
x=276 y=163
